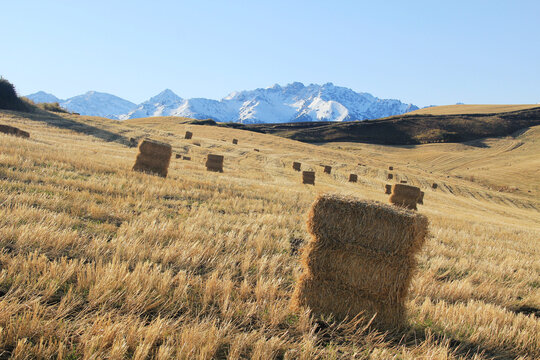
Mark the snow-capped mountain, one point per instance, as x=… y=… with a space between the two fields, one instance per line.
x=43 y=97
x=290 y=103
x=163 y=104
x=92 y=103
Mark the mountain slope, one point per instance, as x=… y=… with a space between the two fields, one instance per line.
x=98 y=104
x=43 y=97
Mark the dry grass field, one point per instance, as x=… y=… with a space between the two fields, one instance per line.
x=99 y=262
x=471 y=109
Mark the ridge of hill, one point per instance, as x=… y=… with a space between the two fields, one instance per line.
x=409 y=129
x=462 y=109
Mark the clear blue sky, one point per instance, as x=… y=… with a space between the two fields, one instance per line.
x=424 y=52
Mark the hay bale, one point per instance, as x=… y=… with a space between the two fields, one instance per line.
x=178 y=156
x=388 y=189
x=434 y=186
x=403 y=182
x=420 y=199
x=132 y=142
x=327 y=169
x=353 y=178
x=404 y=195
x=257 y=150
x=235 y=141
x=188 y=135
x=186 y=158
x=214 y=163
x=390 y=168
x=360 y=259
x=390 y=176
x=153 y=157
x=308 y=177
x=12 y=130
x=296 y=166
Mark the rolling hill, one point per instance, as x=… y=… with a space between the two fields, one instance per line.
x=99 y=261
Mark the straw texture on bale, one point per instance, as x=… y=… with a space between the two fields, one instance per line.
x=153 y=157
x=235 y=141
x=360 y=259
x=434 y=185
x=421 y=198
x=308 y=177
x=405 y=196
x=390 y=176
x=296 y=166
x=353 y=178
x=11 y=130
x=327 y=169
x=214 y=163
x=388 y=189
x=189 y=135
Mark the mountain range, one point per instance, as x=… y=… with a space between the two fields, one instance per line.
x=291 y=103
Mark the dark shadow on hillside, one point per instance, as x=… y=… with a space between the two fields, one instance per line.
x=79 y=127
x=478 y=144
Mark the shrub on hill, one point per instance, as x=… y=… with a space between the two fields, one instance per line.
x=9 y=100
x=54 y=107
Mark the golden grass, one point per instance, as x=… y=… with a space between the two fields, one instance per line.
x=97 y=261
x=471 y=109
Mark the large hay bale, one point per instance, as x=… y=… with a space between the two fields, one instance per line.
x=214 y=163
x=360 y=259
x=353 y=178
x=308 y=177
x=296 y=166
x=235 y=141
x=388 y=189
x=327 y=169
x=390 y=176
x=12 y=130
x=405 y=196
x=153 y=157
x=189 y=135
x=420 y=199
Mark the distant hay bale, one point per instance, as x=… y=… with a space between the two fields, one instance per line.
x=235 y=141
x=390 y=176
x=257 y=150
x=178 y=156
x=420 y=199
x=214 y=163
x=388 y=189
x=434 y=186
x=296 y=166
x=186 y=158
x=353 y=178
x=405 y=196
x=403 y=182
x=350 y=266
x=308 y=177
x=188 y=135
x=390 y=168
x=153 y=157
x=132 y=142
x=197 y=143
x=327 y=169
x=11 y=130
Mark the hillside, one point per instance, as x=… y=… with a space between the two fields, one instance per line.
x=100 y=262
x=471 y=109
x=408 y=129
